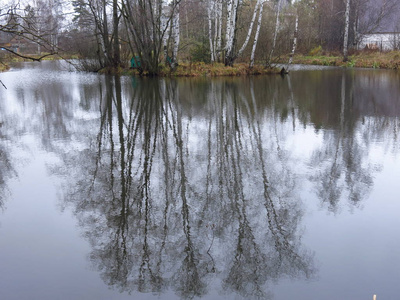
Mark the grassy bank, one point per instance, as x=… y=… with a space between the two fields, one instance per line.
x=8 y=58
x=208 y=70
x=360 y=59
x=3 y=67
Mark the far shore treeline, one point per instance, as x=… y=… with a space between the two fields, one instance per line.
x=202 y=37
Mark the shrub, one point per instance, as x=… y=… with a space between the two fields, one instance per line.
x=200 y=53
x=316 y=51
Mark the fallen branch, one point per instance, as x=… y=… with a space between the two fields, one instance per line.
x=3 y=84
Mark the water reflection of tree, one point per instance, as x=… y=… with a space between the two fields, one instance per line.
x=352 y=110
x=6 y=170
x=258 y=190
x=171 y=200
x=343 y=169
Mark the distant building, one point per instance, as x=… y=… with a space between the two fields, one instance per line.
x=383 y=41
x=386 y=36
x=17 y=43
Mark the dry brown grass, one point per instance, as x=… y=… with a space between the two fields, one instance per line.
x=217 y=69
x=200 y=69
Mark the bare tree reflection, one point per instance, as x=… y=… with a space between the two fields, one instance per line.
x=174 y=195
x=343 y=159
x=6 y=171
x=7 y=168
x=174 y=200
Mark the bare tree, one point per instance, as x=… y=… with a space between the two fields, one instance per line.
x=253 y=51
x=215 y=23
x=176 y=34
x=296 y=28
x=346 y=31
x=210 y=36
x=23 y=27
x=232 y=24
x=373 y=16
x=231 y=28
x=277 y=24
x=148 y=22
x=256 y=8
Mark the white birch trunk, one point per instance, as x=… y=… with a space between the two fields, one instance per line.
x=216 y=30
x=219 y=36
x=209 y=12
x=356 y=34
x=231 y=28
x=228 y=22
x=250 y=28
x=165 y=35
x=296 y=28
x=176 y=35
x=234 y=14
x=253 y=51
x=346 y=31
x=277 y=24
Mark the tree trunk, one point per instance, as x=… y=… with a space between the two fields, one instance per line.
x=296 y=27
x=176 y=35
x=117 y=58
x=209 y=14
x=231 y=32
x=346 y=31
x=106 y=41
x=250 y=28
x=253 y=51
x=219 y=31
x=277 y=24
x=148 y=27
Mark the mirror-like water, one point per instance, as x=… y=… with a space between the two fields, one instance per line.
x=227 y=188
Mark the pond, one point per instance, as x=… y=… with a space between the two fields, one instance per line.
x=227 y=188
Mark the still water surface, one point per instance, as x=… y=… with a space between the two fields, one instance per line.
x=228 y=188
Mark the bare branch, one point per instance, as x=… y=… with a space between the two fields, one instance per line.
x=28 y=57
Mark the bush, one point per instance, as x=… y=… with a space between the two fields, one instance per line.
x=316 y=51
x=200 y=53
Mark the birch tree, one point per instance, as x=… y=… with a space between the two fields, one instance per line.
x=218 y=29
x=231 y=28
x=296 y=28
x=231 y=39
x=214 y=20
x=250 y=27
x=176 y=34
x=277 y=24
x=210 y=6
x=257 y=34
x=346 y=31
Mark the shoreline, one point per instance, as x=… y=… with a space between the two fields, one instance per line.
x=200 y=69
x=360 y=59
